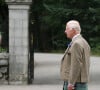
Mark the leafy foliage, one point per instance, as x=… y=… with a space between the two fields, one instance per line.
x=48 y=19
x=87 y=12
x=4 y=23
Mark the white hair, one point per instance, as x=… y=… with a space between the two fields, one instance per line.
x=73 y=24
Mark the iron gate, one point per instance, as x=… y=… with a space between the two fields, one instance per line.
x=31 y=59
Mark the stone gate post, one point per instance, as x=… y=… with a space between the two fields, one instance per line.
x=18 y=40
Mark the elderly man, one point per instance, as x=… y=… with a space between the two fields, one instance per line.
x=75 y=62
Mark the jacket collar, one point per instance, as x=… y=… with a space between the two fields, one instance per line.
x=75 y=37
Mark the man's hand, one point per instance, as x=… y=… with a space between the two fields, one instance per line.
x=70 y=87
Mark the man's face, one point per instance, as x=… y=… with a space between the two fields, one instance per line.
x=69 y=32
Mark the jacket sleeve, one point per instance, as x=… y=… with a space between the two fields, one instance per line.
x=75 y=68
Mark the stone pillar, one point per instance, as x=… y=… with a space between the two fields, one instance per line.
x=18 y=40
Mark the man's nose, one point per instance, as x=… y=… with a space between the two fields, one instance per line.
x=65 y=31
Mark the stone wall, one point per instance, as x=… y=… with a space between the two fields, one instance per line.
x=4 y=68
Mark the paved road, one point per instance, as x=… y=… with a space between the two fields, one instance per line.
x=40 y=87
x=47 y=74
x=47 y=70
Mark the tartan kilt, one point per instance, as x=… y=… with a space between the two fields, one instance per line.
x=78 y=86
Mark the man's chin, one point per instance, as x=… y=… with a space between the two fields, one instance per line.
x=68 y=37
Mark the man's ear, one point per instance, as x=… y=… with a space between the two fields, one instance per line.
x=73 y=30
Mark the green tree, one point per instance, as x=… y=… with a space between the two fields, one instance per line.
x=48 y=19
x=87 y=12
x=4 y=23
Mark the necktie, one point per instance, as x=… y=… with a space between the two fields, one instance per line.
x=69 y=45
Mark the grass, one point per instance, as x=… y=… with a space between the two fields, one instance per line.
x=3 y=50
x=57 y=51
x=94 y=52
